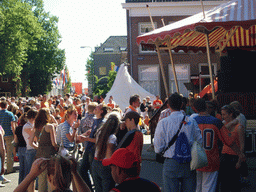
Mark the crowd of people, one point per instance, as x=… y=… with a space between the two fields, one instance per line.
x=39 y=132
x=95 y=145
x=221 y=135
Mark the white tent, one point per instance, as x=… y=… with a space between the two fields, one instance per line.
x=124 y=87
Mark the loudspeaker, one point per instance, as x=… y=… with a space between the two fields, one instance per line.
x=237 y=71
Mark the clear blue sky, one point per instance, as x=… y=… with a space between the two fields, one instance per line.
x=85 y=23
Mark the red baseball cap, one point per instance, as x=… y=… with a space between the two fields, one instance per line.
x=122 y=158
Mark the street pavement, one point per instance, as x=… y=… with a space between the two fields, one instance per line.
x=150 y=170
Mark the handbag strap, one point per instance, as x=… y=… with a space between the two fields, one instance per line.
x=174 y=137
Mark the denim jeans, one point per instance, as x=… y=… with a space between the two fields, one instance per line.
x=30 y=157
x=102 y=177
x=85 y=167
x=176 y=175
x=22 y=155
x=1 y=176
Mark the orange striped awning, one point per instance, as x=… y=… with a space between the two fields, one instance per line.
x=232 y=24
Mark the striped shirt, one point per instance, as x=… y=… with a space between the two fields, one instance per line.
x=66 y=129
x=6 y=117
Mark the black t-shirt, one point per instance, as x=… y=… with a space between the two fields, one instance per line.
x=18 y=132
x=137 y=184
x=142 y=107
x=147 y=105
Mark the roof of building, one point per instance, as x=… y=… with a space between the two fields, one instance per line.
x=114 y=44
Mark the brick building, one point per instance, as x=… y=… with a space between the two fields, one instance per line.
x=144 y=63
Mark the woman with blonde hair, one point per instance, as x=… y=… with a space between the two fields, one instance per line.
x=46 y=145
x=69 y=128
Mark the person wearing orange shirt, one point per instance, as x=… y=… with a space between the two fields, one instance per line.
x=44 y=103
x=63 y=108
x=210 y=129
x=78 y=107
x=110 y=103
x=233 y=134
x=157 y=103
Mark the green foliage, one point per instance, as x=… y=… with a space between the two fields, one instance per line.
x=68 y=84
x=111 y=78
x=103 y=87
x=89 y=67
x=29 y=40
x=19 y=32
x=100 y=85
x=47 y=58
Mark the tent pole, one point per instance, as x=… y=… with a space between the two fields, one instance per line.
x=162 y=70
x=174 y=71
x=210 y=64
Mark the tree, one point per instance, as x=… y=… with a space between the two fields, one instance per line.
x=111 y=76
x=19 y=32
x=29 y=40
x=103 y=87
x=47 y=59
x=89 y=67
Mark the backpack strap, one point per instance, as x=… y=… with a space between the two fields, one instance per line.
x=127 y=139
x=174 y=137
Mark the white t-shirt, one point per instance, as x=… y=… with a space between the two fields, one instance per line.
x=26 y=136
x=112 y=139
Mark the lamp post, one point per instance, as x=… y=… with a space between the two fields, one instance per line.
x=90 y=84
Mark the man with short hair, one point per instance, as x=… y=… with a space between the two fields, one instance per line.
x=125 y=172
x=134 y=103
x=7 y=121
x=210 y=127
x=157 y=103
x=173 y=171
x=87 y=121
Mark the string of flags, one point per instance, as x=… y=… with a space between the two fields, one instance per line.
x=62 y=78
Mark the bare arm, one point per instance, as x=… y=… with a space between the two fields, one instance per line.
x=53 y=121
x=79 y=182
x=71 y=137
x=13 y=125
x=110 y=150
x=37 y=168
x=2 y=152
x=50 y=128
x=82 y=138
x=241 y=133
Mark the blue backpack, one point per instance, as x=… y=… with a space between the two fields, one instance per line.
x=182 y=152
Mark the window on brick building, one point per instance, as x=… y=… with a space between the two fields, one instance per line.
x=183 y=76
x=145 y=28
x=149 y=78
